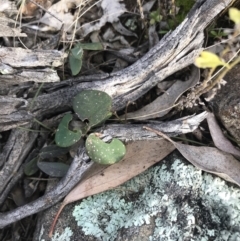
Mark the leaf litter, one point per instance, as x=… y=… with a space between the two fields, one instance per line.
x=208 y=159
x=164 y=103
x=139 y=157
x=220 y=141
x=103 y=178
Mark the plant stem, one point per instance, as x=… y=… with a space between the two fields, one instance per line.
x=41 y=124
x=36 y=95
x=27 y=129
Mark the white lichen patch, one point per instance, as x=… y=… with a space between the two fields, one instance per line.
x=65 y=236
x=185 y=203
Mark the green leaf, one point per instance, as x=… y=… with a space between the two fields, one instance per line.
x=214 y=33
x=209 y=60
x=75 y=59
x=65 y=137
x=53 y=169
x=93 y=106
x=234 y=15
x=155 y=17
x=52 y=151
x=105 y=153
x=31 y=167
x=77 y=52
x=47 y=152
x=75 y=64
x=76 y=55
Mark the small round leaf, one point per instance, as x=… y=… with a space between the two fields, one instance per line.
x=65 y=137
x=92 y=105
x=105 y=153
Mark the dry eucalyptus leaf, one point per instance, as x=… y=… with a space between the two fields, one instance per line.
x=209 y=159
x=139 y=157
x=63 y=17
x=212 y=160
x=220 y=141
x=111 y=11
x=164 y=103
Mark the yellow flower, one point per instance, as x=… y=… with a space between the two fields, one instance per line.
x=209 y=60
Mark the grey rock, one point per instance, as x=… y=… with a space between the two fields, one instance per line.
x=227 y=103
x=170 y=201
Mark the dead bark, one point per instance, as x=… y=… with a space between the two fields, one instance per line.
x=14 y=153
x=75 y=172
x=175 y=51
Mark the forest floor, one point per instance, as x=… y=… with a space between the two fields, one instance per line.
x=103 y=46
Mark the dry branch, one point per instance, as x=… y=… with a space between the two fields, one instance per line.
x=175 y=51
x=81 y=163
x=20 y=65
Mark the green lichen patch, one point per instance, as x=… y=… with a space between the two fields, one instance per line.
x=93 y=106
x=104 y=153
x=65 y=137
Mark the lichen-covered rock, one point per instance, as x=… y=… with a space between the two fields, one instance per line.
x=171 y=201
